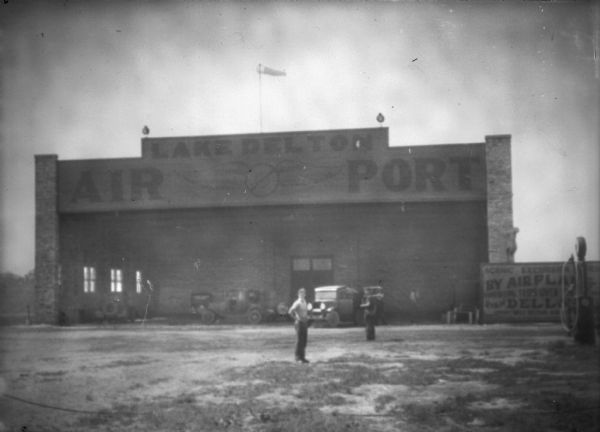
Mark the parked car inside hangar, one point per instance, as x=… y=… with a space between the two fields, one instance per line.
x=235 y=304
x=336 y=304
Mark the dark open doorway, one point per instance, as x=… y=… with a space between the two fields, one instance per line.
x=310 y=272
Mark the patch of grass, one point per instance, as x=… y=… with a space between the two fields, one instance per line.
x=343 y=374
x=573 y=351
x=125 y=363
x=325 y=384
x=356 y=375
x=433 y=414
x=282 y=373
x=180 y=414
x=382 y=401
x=538 y=413
x=116 y=343
x=564 y=412
x=355 y=358
x=311 y=420
x=186 y=398
x=158 y=381
x=50 y=374
x=199 y=382
x=136 y=386
x=568 y=411
x=118 y=415
x=335 y=400
x=558 y=345
x=241 y=391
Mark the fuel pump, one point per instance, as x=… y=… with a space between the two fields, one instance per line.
x=577 y=307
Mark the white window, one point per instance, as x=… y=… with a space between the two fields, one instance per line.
x=301 y=264
x=116 y=280
x=89 y=279
x=316 y=264
x=322 y=264
x=138 y=282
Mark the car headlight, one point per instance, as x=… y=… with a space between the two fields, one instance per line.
x=322 y=306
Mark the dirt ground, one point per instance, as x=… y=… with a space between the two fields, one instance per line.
x=160 y=377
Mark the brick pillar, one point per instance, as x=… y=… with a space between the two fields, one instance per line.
x=46 y=239
x=499 y=196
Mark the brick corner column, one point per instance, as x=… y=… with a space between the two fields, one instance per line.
x=46 y=239
x=499 y=198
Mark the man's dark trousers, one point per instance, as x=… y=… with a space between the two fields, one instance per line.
x=302 y=334
x=370 y=326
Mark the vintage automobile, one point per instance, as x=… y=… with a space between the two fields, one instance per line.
x=233 y=305
x=110 y=308
x=336 y=304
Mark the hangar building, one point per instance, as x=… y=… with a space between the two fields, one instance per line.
x=271 y=212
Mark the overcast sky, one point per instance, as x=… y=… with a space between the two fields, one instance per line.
x=80 y=79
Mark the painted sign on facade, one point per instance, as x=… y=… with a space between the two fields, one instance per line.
x=339 y=166
x=531 y=292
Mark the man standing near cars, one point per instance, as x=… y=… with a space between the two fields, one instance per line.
x=370 y=306
x=299 y=312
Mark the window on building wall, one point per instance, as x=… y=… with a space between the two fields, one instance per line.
x=89 y=279
x=316 y=264
x=322 y=264
x=301 y=264
x=116 y=280
x=138 y=282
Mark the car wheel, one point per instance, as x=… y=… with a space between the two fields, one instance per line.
x=333 y=319
x=254 y=316
x=207 y=316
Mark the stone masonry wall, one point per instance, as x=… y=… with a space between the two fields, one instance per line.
x=499 y=197
x=46 y=239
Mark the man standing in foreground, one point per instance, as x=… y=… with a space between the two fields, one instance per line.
x=299 y=312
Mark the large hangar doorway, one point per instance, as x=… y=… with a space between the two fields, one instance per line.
x=309 y=273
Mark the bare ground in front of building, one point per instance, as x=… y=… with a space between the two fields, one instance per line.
x=236 y=378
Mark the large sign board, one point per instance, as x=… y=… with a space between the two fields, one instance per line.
x=335 y=166
x=530 y=292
